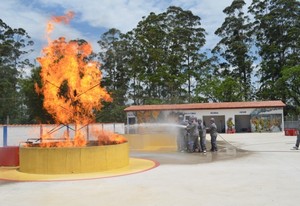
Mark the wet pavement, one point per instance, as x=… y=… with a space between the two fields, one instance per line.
x=171 y=156
x=249 y=169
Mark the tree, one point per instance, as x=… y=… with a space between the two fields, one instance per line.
x=148 y=66
x=116 y=76
x=234 y=47
x=276 y=29
x=189 y=38
x=290 y=79
x=13 y=45
x=35 y=111
x=168 y=57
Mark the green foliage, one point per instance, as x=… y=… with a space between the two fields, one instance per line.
x=111 y=113
x=116 y=74
x=291 y=81
x=276 y=29
x=168 y=47
x=229 y=90
x=13 y=45
x=234 y=48
x=34 y=101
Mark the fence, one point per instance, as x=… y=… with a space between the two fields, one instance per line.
x=13 y=135
x=291 y=124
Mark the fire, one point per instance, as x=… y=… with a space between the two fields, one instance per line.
x=107 y=138
x=70 y=83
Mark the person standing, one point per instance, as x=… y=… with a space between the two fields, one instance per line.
x=296 y=147
x=230 y=125
x=193 y=133
x=202 y=135
x=213 y=135
x=181 y=135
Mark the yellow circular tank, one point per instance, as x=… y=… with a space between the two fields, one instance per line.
x=68 y=160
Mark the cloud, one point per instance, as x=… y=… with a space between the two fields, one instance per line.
x=121 y=14
x=34 y=20
x=94 y=17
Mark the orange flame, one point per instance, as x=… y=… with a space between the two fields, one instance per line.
x=70 y=81
x=107 y=137
x=58 y=19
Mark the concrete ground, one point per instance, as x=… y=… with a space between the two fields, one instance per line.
x=249 y=169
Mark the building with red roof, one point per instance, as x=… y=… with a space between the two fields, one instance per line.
x=256 y=116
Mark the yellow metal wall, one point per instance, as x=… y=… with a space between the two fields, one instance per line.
x=73 y=160
x=151 y=141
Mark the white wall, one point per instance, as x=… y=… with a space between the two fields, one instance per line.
x=224 y=112
x=231 y=113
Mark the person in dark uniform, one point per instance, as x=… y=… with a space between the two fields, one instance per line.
x=213 y=135
x=181 y=135
x=192 y=130
x=296 y=147
x=202 y=135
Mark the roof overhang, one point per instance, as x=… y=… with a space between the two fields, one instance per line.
x=207 y=106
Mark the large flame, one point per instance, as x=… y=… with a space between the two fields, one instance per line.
x=71 y=84
x=70 y=81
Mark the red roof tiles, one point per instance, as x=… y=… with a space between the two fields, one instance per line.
x=202 y=106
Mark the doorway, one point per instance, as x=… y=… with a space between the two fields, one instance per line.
x=242 y=123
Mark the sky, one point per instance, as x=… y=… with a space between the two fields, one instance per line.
x=94 y=17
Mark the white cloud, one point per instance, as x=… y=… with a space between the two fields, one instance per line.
x=34 y=21
x=124 y=15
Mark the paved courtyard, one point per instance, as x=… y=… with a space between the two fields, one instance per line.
x=249 y=169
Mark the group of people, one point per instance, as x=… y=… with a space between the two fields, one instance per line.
x=192 y=136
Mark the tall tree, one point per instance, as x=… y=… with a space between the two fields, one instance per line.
x=234 y=47
x=186 y=61
x=169 y=58
x=150 y=44
x=14 y=43
x=116 y=76
x=276 y=30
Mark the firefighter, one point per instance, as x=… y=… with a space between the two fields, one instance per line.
x=181 y=135
x=192 y=130
x=296 y=147
x=213 y=135
x=202 y=135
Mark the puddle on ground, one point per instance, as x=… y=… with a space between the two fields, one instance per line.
x=171 y=156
